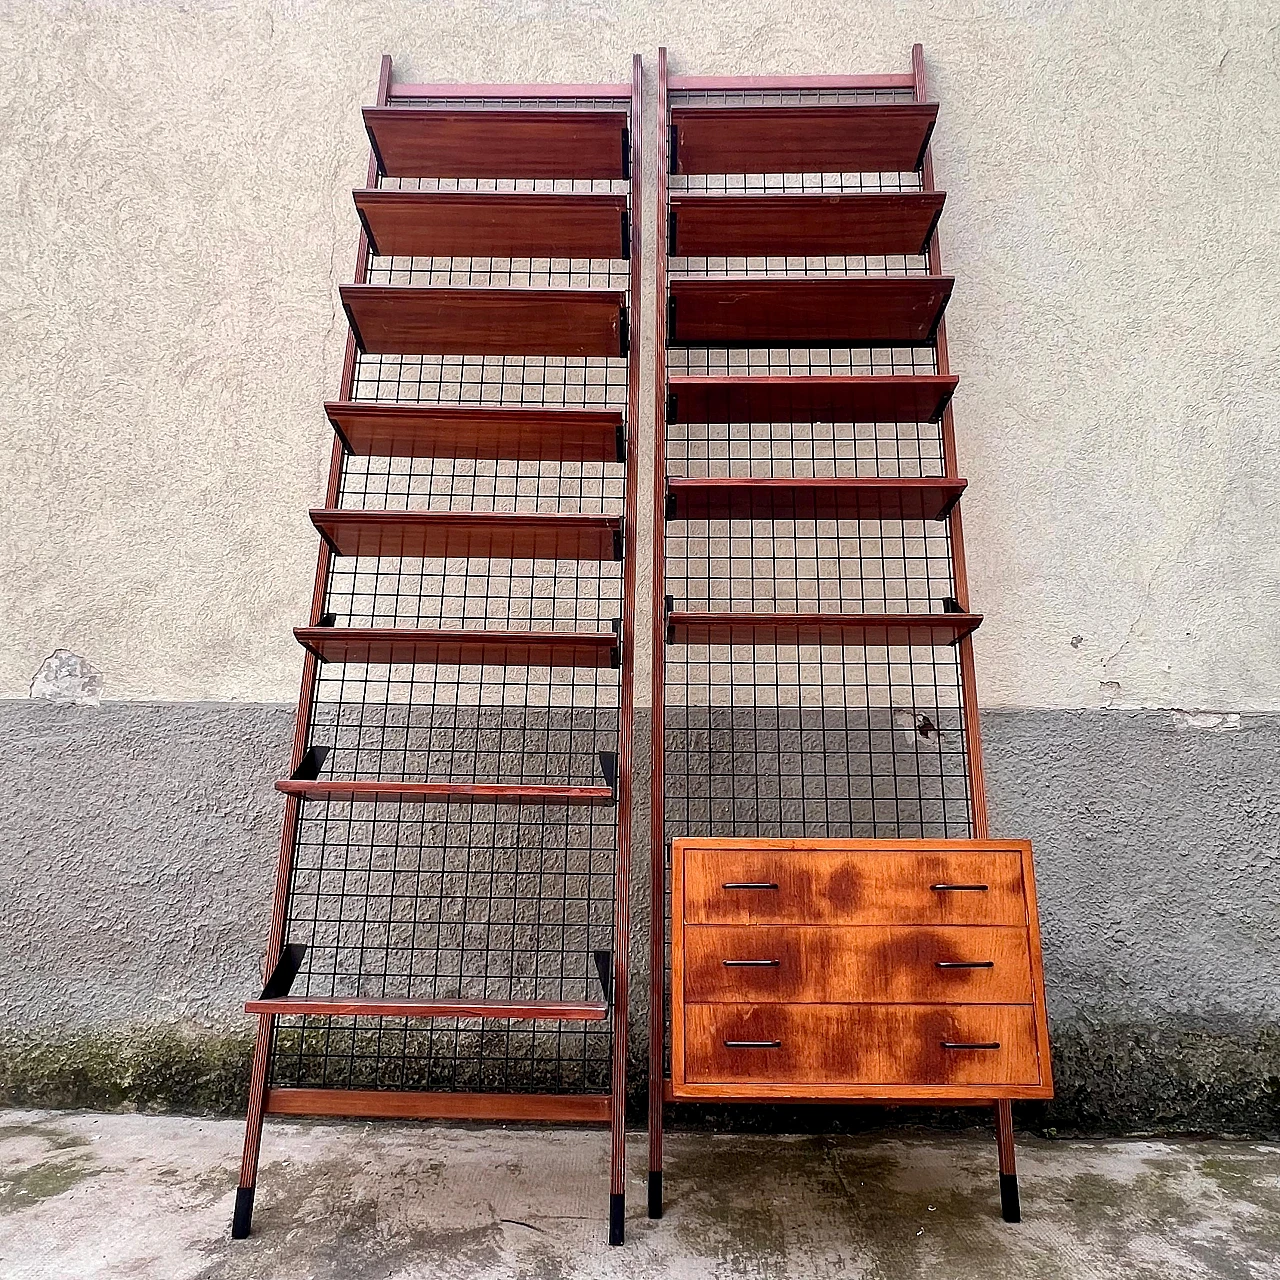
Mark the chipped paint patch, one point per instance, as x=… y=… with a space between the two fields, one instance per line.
x=67 y=679
x=1207 y=721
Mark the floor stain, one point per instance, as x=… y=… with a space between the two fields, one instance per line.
x=21 y=1188
x=63 y=1162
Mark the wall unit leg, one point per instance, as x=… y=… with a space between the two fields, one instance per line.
x=243 y=1217
x=1010 y=1210
x=617 y=1217
x=655 y=1193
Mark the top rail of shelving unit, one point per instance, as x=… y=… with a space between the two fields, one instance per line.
x=533 y=92
x=794 y=84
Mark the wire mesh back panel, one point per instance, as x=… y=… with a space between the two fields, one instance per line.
x=484 y=901
x=809 y=741
x=820 y=740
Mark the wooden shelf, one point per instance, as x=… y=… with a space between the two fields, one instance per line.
x=914 y=629
x=838 y=498
x=477 y=534
x=444 y=792
x=472 y=431
x=418 y=1104
x=406 y=320
x=480 y=225
x=461 y=648
x=854 y=311
x=764 y=226
x=875 y=138
x=320 y=1007
x=447 y=142
x=916 y=398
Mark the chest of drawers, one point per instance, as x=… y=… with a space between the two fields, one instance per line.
x=856 y=970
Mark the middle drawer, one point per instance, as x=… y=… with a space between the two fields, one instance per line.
x=965 y=964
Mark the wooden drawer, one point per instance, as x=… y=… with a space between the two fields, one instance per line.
x=836 y=882
x=858 y=1044
x=870 y=964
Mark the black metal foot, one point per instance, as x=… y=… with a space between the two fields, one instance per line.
x=617 y=1216
x=655 y=1193
x=244 y=1213
x=1010 y=1210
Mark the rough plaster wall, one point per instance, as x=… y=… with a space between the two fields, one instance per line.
x=1156 y=850
x=180 y=220
x=137 y=875
x=141 y=837
x=139 y=848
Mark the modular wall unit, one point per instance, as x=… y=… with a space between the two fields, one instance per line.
x=450 y=924
x=831 y=919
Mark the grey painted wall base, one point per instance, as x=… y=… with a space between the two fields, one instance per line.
x=139 y=842
x=139 y=848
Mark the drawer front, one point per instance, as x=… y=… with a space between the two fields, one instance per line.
x=872 y=963
x=868 y=1044
x=765 y=886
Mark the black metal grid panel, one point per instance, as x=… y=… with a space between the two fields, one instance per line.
x=798 y=183
x=484 y=103
x=803 y=449
x=786 y=97
x=809 y=741
x=815 y=741
x=819 y=566
x=481 y=901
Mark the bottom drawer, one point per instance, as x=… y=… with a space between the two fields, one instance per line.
x=834 y=1044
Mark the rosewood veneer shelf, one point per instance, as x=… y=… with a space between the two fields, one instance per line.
x=358 y=789
x=824 y=498
x=440 y=534
x=478 y=431
x=827 y=311
x=870 y=223
x=854 y=138
x=386 y=1104
x=490 y=224
x=396 y=319
x=885 y=398
x=442 y=142
x=460 y=648
x=873 y=629
x=559 y=1010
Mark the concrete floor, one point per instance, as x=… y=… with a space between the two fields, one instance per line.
x=85 y=1195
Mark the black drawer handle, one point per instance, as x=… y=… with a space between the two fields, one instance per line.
x=960 y=888
x=950 y=1044
x=751 y=964
x=748 y=884
x=753 y=1044
x=965 y=964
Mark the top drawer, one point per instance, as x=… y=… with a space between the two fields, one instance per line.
x=850 y=882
